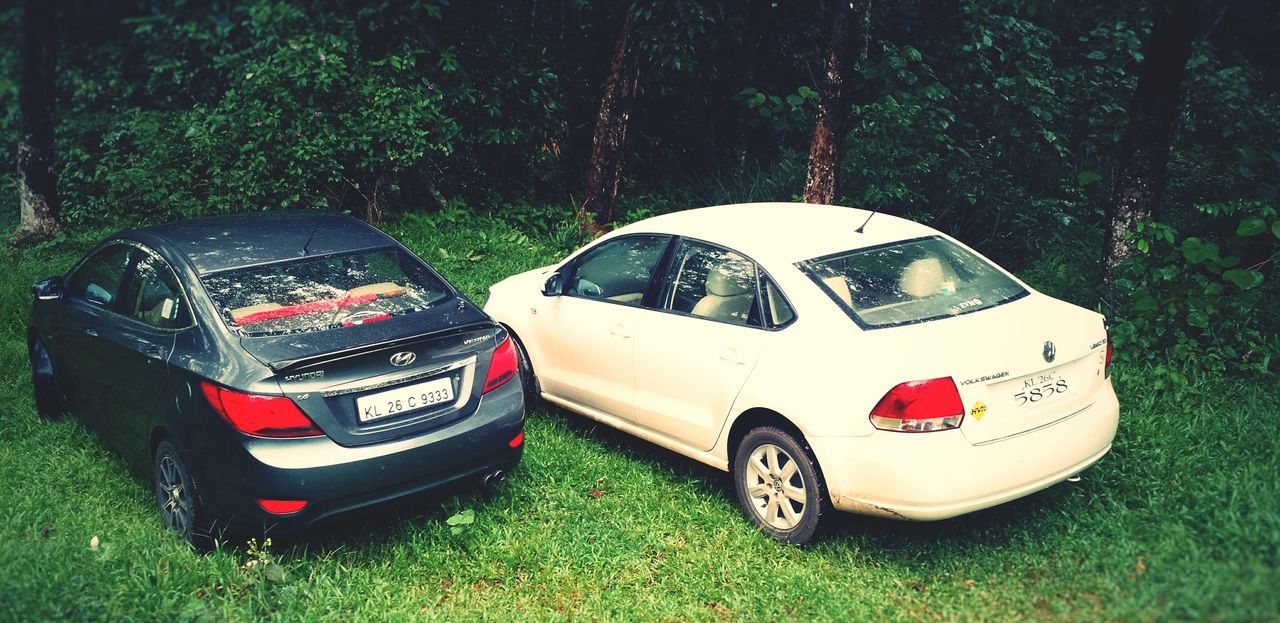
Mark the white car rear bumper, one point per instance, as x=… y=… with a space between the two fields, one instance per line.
x=931 y=476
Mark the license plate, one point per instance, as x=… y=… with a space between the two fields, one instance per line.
x=408 y=398
x=1039 y=388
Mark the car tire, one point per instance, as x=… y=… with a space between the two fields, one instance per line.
x=178 y=498
x=779 y=485
x=528 y=380
x=43 y=382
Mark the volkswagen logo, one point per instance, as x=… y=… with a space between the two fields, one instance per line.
x=405 y=358
x=1049 y=353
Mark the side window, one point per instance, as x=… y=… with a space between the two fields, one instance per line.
x=776 y=307
x=618 y=270
x=155 y=297
x=98 y=280
x=712 y=282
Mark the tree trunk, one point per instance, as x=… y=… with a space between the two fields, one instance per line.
x=610 y=142
x=1144 y=149
x=37 y=180
x=834 y=100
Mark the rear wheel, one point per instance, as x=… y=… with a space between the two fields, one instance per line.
x=180 y=508
x=44 y=384
x=779 y=485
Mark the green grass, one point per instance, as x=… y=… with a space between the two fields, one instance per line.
x=1180 y=521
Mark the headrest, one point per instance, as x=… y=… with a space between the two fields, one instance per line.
x=384 y=290
x=723 y=281
x=925 y=277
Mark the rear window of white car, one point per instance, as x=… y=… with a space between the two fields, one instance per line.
x=323 y=293
x=910 y=281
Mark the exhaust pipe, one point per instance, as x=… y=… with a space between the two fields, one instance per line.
x=491 y=479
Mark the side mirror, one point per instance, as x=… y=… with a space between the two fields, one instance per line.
x=552 y=286
x=49 y=289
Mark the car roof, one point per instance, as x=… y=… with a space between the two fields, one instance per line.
x=783 y=232
x=251 y=238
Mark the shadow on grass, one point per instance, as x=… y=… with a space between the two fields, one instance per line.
x=1041 y=515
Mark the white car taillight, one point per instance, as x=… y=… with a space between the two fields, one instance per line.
x=920 y=407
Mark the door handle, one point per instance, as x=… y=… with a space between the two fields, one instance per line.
x=620 y=330
x=91 y=332
x=731 y=355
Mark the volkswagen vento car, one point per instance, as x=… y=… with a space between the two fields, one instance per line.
x=886 y=370
x=275 y=368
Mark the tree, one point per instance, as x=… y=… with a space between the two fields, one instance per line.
x=604 y=174
x=1144 y=148
x=834 y=100
x=37 y=180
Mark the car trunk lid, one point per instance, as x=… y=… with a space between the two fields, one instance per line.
x=344 y=382
x=1018 y=367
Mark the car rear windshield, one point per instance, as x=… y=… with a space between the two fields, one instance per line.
x=911 y=281
x=324 y=293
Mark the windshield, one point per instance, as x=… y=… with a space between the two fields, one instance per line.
x=323 y=293
x=911 y=281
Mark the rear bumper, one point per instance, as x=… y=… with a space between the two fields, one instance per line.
x=335 y=479
x=931 y=476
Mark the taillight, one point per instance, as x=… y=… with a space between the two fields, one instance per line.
x=920 y=407
x=261 y=416
x=502 y=367
x=1106 y=366
x=281 y=507
x=517 y=440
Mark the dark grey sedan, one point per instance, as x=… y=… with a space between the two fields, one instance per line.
x=276 y=368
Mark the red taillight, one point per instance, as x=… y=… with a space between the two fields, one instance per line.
x=1106 y=367
x=502 y=367
x=919 y=407
x=261 y=416
x=517 y=440
x=281 y=507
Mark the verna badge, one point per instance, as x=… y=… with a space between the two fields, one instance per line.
x=1049 y=352
x=405 y=358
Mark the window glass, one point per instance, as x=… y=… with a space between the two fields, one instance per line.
x=712 y=282
x=618 y=270
x=155 y=297
x=911 y=281
x=321 y=293
x=779 y=309
x=98 y=279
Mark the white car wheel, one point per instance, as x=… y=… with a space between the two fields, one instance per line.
x=778 y=485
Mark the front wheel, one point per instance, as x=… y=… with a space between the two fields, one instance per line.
x=176 y=496
x=43 y=382
x=779 y=485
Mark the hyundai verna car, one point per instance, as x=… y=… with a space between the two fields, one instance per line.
x=276 y=368
x=886 y=370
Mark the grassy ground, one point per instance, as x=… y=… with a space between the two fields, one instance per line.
x=1180 y=521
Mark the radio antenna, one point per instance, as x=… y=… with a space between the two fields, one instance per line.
x=864 y=223
x=319 y=222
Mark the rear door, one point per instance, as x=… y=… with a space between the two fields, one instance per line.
x=588 y=333
x=694 y=352
x=137 y=346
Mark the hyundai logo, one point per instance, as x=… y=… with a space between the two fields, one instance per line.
x=405 y=358
x=1049 y=352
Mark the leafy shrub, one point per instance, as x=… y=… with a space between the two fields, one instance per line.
x=1205 y=303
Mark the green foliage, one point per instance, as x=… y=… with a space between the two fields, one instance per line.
x=594 y=524
x=1201 y=304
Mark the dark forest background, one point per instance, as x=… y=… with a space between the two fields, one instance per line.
x=1002 y=123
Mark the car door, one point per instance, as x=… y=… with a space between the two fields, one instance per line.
x=588 y=330
x=695 y=351
x=74 y=336
x=153 y=312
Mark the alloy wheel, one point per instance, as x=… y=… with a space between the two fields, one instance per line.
x=775 y=487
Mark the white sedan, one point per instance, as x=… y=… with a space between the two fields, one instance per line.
x=887 y=370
